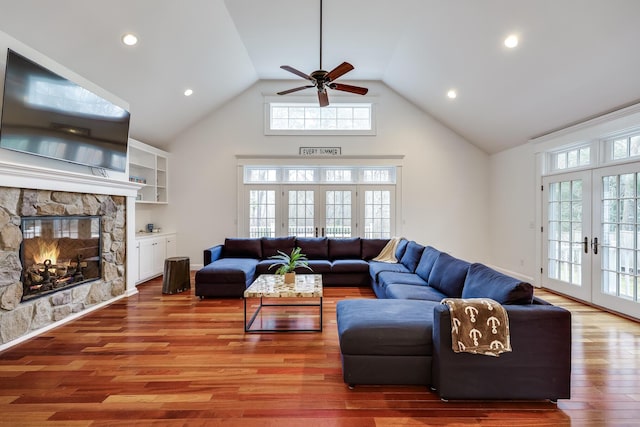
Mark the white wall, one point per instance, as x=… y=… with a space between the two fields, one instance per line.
x=445 y=179
x=513 y=212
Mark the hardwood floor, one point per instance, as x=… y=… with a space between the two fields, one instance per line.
x=175 y=360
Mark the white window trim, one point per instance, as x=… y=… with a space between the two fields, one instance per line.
x=336 y=99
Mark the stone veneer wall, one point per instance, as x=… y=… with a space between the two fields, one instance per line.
x=18 y=319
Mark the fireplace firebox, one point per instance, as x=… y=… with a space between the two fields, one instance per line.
x=59 y=252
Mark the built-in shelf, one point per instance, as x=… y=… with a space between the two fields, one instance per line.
x=148 y=167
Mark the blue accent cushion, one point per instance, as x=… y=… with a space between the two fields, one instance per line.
x=448 y=275
x=412 y=255
x=425 y=293
x=484 y=282
x=428 y=258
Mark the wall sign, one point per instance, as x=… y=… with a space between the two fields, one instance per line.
x=320 y=151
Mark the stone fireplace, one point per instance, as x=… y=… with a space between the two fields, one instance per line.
x=99 y=250
x=59 y=252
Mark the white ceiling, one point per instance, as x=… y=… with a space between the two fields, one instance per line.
x=576 y=58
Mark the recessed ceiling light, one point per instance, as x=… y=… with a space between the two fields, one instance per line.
x=511 y=41
x=129 y=39
x=452 y=94
x=188 y=92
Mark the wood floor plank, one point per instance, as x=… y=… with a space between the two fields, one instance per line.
x=176 y=360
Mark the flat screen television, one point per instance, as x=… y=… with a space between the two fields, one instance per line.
x=50 y=116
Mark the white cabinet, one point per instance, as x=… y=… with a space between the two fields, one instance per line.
x=152 y=251
x=149 y=166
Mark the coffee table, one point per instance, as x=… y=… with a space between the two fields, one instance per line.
x=271 y=286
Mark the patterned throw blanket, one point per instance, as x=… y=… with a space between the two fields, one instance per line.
x=479 y=326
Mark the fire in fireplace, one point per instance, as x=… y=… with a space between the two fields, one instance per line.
x=59 y=253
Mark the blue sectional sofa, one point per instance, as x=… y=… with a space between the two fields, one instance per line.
x=404 y=336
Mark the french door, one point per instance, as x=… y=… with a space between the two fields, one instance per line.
x=319 y=210
x=591 y=236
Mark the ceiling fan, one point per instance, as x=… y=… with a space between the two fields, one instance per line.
x=322 y=79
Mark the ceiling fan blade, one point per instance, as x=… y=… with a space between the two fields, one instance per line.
x=348 y=88
x=340 y=70
x=284 y=92
x=323 y=98
x=296 y=72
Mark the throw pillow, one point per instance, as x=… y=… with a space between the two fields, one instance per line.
x=448 y=275
x=412 y=255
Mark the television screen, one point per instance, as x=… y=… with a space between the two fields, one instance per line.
x=48 y=115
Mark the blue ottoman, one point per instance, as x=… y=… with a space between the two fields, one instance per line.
x=386 y=341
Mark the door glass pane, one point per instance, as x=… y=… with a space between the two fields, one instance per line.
x=377 y=219
x=620 y=234
x=565 y=234
x=301 y=213
x=262 y=213
x=338 y=213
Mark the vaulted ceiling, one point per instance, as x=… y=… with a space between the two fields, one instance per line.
x=576 y=58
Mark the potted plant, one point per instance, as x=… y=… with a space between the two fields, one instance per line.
x=287 y=264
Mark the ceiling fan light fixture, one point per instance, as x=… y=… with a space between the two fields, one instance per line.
x=322 y=79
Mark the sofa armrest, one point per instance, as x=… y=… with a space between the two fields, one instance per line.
x=212 y=254
x=538 y=367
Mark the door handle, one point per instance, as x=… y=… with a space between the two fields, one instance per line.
x=316 y=231
x=322 y=231
x=586 y=245
x=594 y=246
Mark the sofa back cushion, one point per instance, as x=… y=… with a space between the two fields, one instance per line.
x=428 y=258
x=345 y=248
x=448 y=275
x=242 y=248
x=484 y=282
x=314 y=247
x=402 y=246
x=412 y=255
x=271 y=245
x=371 y=248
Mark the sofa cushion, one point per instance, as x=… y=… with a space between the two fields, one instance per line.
x=448 y=275
x=314 y=247
x=421 y=292
x=389 y=277
x=411 y=256
x=349 y=266
x=345 y=248
x=385 y=327
x=318 y=266
x=371 y=248
x=228 y=270
x=271 y=245
x=484 y=282
x=242 y=248
x=376 y=267
x=402 y=246
x=428 y=258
